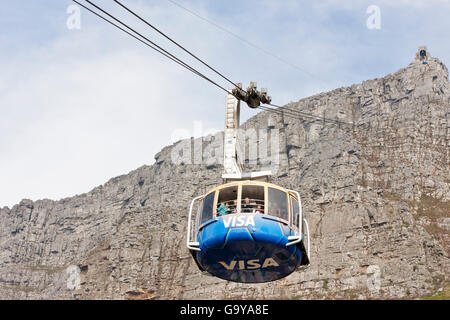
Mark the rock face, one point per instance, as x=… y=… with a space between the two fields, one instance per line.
x=376 y=196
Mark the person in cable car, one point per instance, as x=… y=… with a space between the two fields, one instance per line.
x=222 y=210
x=246 y=206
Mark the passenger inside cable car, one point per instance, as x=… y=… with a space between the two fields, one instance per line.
x=227 y=198
x=253 y=199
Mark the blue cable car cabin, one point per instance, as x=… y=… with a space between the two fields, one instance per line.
x=248 y=231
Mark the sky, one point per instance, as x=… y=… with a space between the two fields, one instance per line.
x=79 y=106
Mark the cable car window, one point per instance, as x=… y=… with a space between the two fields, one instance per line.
x=227 y=201
x=207 y=208
x=252 y=199
x=294 y=206
x=278 y=205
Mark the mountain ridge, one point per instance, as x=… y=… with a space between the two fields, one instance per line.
x=376 y=197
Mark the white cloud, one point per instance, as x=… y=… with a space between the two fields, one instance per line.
x=83 y=106
x=80 y=111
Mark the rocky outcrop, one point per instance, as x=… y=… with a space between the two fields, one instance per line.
x=376 y=195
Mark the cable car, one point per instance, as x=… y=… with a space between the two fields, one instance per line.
x=256 y=238
x=247 y=230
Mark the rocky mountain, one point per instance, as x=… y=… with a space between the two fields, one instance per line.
x=376 y=195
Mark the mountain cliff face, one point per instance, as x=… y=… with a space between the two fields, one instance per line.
x=376 y=196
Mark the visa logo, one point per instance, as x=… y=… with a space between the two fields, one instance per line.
x=238 y=221
x=249 y=264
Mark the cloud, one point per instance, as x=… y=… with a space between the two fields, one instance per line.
x=79 y=107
